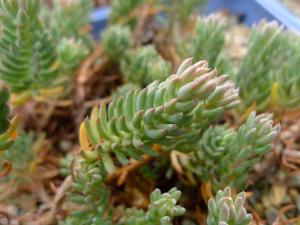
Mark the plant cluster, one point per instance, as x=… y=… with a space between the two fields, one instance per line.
x=31 y=62
x=65 y=23
x=156 y=115
x=225 y=210
x=206 y=41
x=140 y=65
x=161 y=211
x=181 y=106
x=24 y=157
x=144 y=65
x=89 y=192
x=116 y=40
x=8 y=127
x=270 y=69
x=123 y=9
x=224 y=156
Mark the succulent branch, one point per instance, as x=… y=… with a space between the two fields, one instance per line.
x=144 y=65
x=225 y=210
x=91 y=194
x=70 y=52
x=115 y=41
x=28 y=59
x=163 y=207
x=225 y=156
x=71 y=20
x=161 y=211
x=122 y=9
x=206 y=42
x=8 y=128
x=270 y=69
x=24 y=157
x=171 y=113
x=30 y=62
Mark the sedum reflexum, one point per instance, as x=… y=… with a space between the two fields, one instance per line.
x=116 y=40
x=121 y=9
x=28 y=57
x=161 y=211
x=90 y=194
x=70 y=19
x=227 y=210
x=206 y=42
x=172 y=113
x=268 y=75
x=31 y=62
x=70 y=53
x=69 y=23
x=24 y=157
x=224 y=156
x=163 y=208
x=144 y=65
x=8 y=127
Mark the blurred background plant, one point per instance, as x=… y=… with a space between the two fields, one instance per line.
x=273 y=81
x=24 y=156
x=31 y=63
x=206 y=41
x=8 y=127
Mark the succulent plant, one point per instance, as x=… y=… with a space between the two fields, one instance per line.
x=178 y=108
x=70 y=19
x=8 y=127
x=116 y=40
x=268 y=75
x=144 y=65
x=121 y=9
x=23 y=156
x=181 y=10
x=89 y=192
x=133 y=216
x=225 y=156
x=28 y=59
x=70 y=52
x=161 y=211
x=163 y=207
x=124 y=89
x=225 y=209
x=206 y=42
x=30 y=62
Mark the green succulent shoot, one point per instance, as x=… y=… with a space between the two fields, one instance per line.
x=206 y=42
x=28 y=59
x=124 y=89
x=89 y=192
x=8 y=128
x=70 y=54
x=116 y=40
x=122 y=9
x=270 y=69
x=227 y=210
x=224 y=157
x=161 y=211
x=144 y=65
x=71 y=19
x=163 y=207
x=4 y=109
x=171 y=113
x=24 y=156
x=31 y=62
